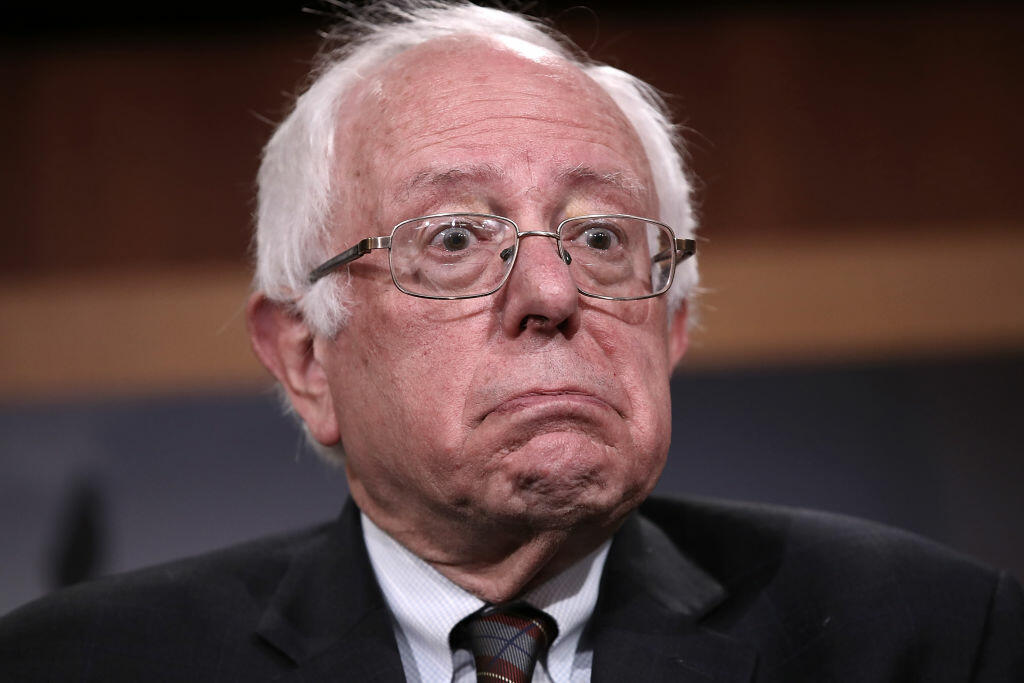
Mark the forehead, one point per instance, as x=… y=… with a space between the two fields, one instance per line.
x=470 y=111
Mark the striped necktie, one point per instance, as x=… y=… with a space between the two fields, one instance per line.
x=506 y=641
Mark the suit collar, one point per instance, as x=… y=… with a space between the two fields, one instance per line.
x=647 y=624
x=328 y=612
x=643 y=559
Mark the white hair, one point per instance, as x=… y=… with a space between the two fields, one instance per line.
x=296 y=184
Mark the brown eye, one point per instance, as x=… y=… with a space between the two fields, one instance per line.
x=455 y=237
x=599 y=238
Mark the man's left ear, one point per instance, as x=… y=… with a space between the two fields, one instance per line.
x=678 y=336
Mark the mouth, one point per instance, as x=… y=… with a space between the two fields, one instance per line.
x=551 y=399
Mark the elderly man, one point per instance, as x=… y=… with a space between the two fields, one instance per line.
x=471 y=285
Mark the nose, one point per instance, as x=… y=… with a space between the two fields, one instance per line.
x=540 y=295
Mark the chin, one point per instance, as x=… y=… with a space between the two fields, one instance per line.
x=558 y=482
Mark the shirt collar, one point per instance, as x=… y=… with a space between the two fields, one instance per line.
x=424 y=624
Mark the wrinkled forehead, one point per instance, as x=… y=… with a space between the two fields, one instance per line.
x=460 y=94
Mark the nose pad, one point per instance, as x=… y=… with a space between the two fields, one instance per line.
x=540 y=295
x=563 y=255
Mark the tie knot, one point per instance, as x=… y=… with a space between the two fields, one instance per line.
x=506 y=640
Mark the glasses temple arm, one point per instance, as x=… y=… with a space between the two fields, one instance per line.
x=683 y=249
x=361 y=248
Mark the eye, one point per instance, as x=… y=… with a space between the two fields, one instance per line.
x=599 y=237
x=455 y=237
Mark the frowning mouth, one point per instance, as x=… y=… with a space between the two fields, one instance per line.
x=566 y=399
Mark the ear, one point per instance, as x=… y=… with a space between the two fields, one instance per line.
x=678 y=335
x=284 y=344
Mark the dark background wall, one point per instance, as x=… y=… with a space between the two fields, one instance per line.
x=862 y=340
x=799 y=116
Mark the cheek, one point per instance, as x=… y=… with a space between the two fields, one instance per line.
x=643 y=371
x=413 y=379
x=635 y=339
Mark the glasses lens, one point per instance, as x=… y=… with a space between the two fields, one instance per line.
x=618 y=256
x=452 y=255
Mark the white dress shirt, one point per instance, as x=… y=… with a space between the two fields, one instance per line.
x=425 y=606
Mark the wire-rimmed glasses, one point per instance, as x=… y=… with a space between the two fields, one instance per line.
x=465 y=255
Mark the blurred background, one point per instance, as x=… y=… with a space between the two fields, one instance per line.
x=861 y=345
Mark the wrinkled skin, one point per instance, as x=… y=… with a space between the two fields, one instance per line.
x=499 y=438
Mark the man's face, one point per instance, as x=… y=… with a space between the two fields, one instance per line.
x=533 y=407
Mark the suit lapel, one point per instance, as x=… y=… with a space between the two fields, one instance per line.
x=328 y=615
x=646 y=625
x=330 y=619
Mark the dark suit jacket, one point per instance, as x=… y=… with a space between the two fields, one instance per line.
x=692 y=591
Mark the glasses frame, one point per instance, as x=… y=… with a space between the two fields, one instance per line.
x=682 y=249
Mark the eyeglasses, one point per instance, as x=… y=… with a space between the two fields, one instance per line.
x=467 y=255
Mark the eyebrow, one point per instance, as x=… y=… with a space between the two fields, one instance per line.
x=434 y=179
x=620 y=181
x=580 y=175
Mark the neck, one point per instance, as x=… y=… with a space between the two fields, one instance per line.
x=520 y=569
x=495 y=562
